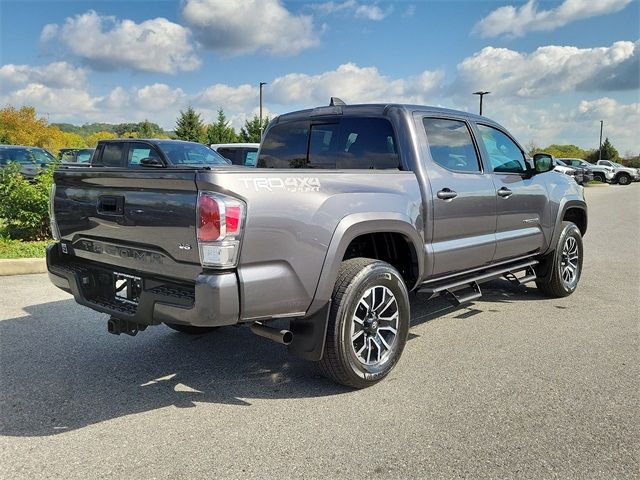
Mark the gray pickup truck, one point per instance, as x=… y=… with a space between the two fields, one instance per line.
x=350 y=210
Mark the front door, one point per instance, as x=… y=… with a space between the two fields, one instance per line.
x=464 y=198
x=522 y=200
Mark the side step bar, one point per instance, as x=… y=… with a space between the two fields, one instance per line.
x=448 y=287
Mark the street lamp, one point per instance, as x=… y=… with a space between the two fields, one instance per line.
x=600 y=147
x=481 y=94
x=261 y=84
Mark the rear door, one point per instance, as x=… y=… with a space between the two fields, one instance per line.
x=464 y=197
x=522 y=201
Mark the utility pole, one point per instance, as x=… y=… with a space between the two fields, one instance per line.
x=261 y=84
x=481 y=94
x=600 y=147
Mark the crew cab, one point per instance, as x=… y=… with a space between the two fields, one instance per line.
x=350 y=208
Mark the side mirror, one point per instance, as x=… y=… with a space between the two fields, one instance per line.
x=151 y=162
x=542 y=162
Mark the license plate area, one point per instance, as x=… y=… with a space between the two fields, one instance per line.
x=127 y=288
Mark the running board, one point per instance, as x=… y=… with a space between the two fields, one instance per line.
x=448 y=287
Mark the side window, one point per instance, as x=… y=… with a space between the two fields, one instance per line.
x=228 y=153
x=138 y=151
x=366 y=143
x=322 y=145
x=451 y=145
x=285 y=146
x=112 y=155
x=250 y=157
x=505 y=156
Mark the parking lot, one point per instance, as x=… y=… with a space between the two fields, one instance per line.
x=514 y=385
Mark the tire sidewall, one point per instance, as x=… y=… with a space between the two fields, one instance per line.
x=624 y=179
x=377 y=274
x=570 y=229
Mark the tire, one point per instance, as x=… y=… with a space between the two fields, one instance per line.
x=566 y=266
x=367 y=328
x=600 y=177
x=190 y=329
x=623 y=179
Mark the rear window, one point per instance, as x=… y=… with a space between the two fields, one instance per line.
x=111 y=155
x=344 y=143
x=450 y=144
x=25 y=156
x=192 y=154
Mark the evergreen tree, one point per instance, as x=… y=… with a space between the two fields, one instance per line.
x=250 y=133
x=189 y=126
x=221 y=132
x=608 y=151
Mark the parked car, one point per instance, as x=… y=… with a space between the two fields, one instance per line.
x=239 y=153
x=600 y=172
x=159 y=153
x=75 y=155
x=31 y=159
x=581 y=173
x=622 y=175
x=435 y=202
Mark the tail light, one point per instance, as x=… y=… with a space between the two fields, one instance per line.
x=220 y=222
x=53 y=224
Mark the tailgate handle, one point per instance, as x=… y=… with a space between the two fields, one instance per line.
x=111 y=205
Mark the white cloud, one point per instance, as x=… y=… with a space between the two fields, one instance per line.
x=549 y=70
x=57 y=75
x=155 y=45
x=516 y=21
x=234 y=28
x=367 y=11
x=353 y=84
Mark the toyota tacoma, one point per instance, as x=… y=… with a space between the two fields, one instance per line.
x=351 y=209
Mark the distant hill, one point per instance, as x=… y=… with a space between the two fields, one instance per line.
x=145 y=129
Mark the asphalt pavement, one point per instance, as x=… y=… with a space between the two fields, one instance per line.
x=514 y=385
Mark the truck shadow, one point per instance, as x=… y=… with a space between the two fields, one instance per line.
x=60 y=370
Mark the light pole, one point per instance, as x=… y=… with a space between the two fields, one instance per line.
x=481 y=94
x=261 y=84
x=600 y=147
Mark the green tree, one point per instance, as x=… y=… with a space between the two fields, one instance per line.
x=565 y=151
x=250 y=133
x=147 y=129
x=189 y=126
x=608 y=153
x=221 y=132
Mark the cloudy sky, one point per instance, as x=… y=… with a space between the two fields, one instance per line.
x=554 y=68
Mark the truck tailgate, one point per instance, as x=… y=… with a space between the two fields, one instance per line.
x=134 y=219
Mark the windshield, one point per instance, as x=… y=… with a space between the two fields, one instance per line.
x=618 y=164
x=186 y=153
x=25 y=156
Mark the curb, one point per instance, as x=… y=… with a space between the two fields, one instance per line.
x=22 y=266
x=595 y=185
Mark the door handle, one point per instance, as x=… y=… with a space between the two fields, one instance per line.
x=504 y=192
x=110 y=205
x=446 y=194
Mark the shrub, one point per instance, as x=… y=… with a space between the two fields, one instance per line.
x=24 y=205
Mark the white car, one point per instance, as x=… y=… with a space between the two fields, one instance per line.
x=239 y=153
x=623 y=175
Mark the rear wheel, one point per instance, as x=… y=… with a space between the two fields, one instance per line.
x=368 y=323
x=567 y=263
x=190 y=329
x=599 y=177
x=624 y=179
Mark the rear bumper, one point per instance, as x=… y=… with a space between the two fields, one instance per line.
x=211 y=300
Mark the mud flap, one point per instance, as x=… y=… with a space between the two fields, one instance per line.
x=309 y=334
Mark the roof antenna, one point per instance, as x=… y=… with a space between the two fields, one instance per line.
x=335 y=101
